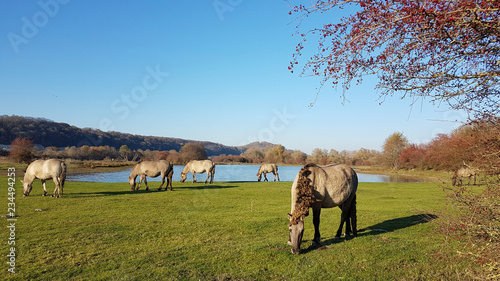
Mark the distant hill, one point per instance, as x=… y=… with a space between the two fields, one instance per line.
x=46 y=133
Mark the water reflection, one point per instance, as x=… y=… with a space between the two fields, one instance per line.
x=227 y=173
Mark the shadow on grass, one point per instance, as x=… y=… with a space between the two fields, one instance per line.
x=378 y=229
x=151 y=190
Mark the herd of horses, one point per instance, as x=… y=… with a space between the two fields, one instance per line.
x=314 y=187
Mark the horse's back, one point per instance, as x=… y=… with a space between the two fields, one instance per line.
x=200 y=166
x=152 y=168
x=268 y=168
x=45 y=169
x=333 y=184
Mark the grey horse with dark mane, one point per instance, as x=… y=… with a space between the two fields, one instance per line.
x=322 y=187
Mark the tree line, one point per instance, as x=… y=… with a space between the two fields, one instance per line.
x=475 y=144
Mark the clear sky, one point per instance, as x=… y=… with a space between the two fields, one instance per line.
x=214 y=70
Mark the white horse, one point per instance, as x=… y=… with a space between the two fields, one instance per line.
x=322 y=187
x=44 y=170
x=151 y=169
x=268 y=168
x=199 y=166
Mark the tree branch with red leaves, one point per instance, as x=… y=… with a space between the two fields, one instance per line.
x=447 y=51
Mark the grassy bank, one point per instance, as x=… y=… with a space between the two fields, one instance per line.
x=427 y=176
x=227 y=230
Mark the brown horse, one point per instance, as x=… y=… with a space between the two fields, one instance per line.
x=199 y=166
x=45 y=170
x=464 y=172
x=322 y=187
x=268 y=168
x=151 y=169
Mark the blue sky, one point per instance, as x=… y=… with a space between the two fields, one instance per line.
x=214 y=70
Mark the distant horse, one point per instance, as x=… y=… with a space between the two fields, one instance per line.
x=199 y=166
x=151 y=169
x=464 y=172
x=44 y=170
x=268 y=168
x=322 y=187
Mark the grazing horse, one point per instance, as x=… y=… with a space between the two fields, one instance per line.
x=199 y=166
x=44 y=170
x=464 y=172
x=322 y=187
x=151 y=169
x=268 y=168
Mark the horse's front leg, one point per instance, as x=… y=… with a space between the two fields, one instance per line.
x=169 y=180
x=316 y=215
x=265 y=178
x=139 y=184
x=146 y=183
x=44 y=188
x=194 y=176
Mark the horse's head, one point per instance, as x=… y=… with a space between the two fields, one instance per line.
x=296 y=228
x=131 y=180
x=259 y=176
x=183 y=176
x=26 y=188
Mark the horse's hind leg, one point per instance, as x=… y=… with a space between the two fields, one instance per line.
x=57 y=188
x=169 y=180
x=212 y=173
x=162 y=182
x=343 y=217
x=61 y=185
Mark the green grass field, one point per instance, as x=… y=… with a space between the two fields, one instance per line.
x=227 y=230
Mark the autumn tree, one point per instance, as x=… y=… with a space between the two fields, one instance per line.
x=413 y=156
x=318 y=156
x=193 y=151
x=21 y=150
x=298 y=157
x=125 y=152
x=393 y=146
x=254 y=155
x=275 y=154
x=445 y=50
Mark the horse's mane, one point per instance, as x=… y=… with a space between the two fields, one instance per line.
x=305 y=194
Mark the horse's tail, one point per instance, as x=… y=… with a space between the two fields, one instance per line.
x=62 y=176
x=353 y=216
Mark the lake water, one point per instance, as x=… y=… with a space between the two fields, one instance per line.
x=225 y=173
